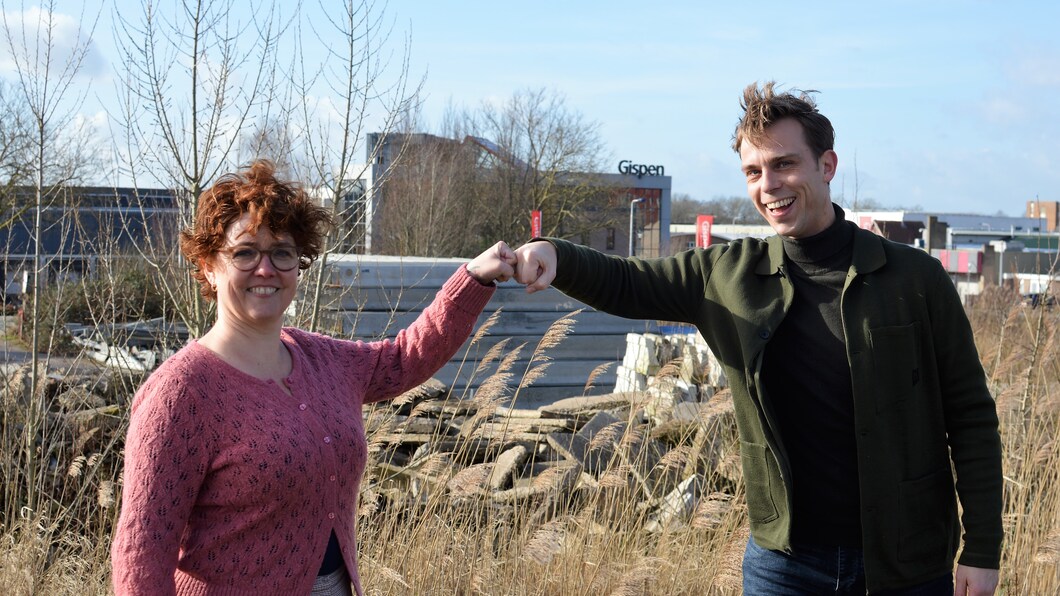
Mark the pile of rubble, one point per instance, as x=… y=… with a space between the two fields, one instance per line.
x=84 y=405
x=671 y=443
x=666 y=437
x=78 y=419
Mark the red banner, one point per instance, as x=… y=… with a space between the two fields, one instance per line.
x=704 y=223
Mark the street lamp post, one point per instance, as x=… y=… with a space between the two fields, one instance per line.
x=632 y=204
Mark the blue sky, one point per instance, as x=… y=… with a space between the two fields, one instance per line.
x=948 y=105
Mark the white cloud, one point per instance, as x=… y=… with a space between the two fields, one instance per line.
x=1022 y=102
x=1036 y=67
x=1003 y=110
x=27 y=31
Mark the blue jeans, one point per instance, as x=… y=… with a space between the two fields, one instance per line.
x=817 y=570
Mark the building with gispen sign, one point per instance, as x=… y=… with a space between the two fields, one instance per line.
x=638 y=195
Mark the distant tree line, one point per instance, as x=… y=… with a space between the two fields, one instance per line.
x=726 y=210
x=741 y=211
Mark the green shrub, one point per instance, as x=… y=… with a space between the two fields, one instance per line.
x=118 y=296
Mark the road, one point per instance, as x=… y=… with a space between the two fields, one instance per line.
x=15 y=353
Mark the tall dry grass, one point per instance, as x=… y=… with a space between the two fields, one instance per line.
x=1020 y=351
x=438 y=534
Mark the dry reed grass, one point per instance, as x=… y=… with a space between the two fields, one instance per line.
x=416 y=539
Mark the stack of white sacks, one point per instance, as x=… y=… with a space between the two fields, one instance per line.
x=677 y=375
x=695 y=377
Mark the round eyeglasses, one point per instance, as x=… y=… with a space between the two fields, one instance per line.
x=246 y=258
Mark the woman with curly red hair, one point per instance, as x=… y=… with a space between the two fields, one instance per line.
x=246 y=449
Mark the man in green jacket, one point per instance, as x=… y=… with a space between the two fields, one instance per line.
x=862 y=407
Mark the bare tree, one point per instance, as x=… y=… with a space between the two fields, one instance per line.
x=365 y=91
x=204 y=94
x=16 y=151
x=457 y=193
x=544 y=157
x=726 y=210
x=194 y=82
x=45 y=76
x=271 y=139
x=428 y=206
x=426 y=201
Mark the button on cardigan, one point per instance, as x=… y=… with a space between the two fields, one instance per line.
x=232 y=486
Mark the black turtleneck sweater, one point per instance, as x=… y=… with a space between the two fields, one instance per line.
x=807 y=379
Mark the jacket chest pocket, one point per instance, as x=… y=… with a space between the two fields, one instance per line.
x=896 y=362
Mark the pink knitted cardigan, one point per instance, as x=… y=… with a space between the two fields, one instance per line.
x=232 y=487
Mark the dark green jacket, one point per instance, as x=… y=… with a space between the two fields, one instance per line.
x=920 y=393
